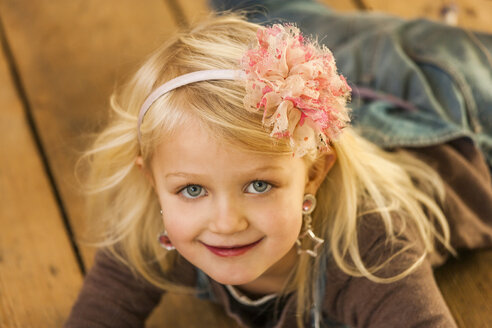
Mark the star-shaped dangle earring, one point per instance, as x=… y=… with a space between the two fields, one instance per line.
x=307 y=235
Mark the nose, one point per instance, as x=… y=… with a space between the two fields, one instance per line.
x=228 y=218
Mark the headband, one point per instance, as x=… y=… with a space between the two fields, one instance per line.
x=205 y=75
x=293 y=81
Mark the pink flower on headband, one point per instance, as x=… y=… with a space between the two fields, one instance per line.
x=296 y=84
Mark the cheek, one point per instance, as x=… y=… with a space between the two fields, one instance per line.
x=290 y=221
x=181 y=232
x=290 y=212
x=282 y=215
x=180 y=223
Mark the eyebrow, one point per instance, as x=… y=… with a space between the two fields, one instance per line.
x=258 y=169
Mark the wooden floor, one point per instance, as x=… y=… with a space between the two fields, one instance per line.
x=59 y=61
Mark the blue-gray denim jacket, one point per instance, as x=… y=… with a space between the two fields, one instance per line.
x=438 y=78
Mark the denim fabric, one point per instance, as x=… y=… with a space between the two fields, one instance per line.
x=205 y=292
x=444 y=72
x=317 y=319
x=203 y=287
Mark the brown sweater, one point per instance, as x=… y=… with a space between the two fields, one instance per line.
x=112 y=297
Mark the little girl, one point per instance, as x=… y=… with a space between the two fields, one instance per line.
x=230 y=169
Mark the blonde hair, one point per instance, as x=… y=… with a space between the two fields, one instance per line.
x=126 y=209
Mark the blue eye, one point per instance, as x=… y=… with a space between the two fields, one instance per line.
x=258 y=187
x=193 y=191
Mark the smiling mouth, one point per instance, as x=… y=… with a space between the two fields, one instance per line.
x=228 y=251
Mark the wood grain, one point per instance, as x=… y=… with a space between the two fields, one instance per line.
x=472 y=14
x=340 y=5
x=70 y=55
x=39 y=275
x=193 y=10
x=466 y=284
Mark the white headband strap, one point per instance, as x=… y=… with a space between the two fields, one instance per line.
x=212 y=74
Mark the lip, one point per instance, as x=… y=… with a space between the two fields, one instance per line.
x=230 y=251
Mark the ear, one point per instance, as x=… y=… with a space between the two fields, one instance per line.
x=318 y=171
x=146 y=171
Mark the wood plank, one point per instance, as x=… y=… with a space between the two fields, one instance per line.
x=466 y=284
x=472 y=14
x=39 y=275
x=70 y=53
x=195 y=9
x=345 y=5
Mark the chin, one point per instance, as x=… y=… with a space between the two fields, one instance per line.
x=233 y=277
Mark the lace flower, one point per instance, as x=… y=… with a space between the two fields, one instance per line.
x=296 y=84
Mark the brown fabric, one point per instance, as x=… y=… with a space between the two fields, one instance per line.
x=112 y=297
x=468 y=208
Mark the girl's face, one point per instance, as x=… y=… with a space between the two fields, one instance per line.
x=233 y=214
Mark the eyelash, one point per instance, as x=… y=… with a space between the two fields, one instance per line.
x=270 y=186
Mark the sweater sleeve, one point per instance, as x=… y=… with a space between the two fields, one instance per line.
x=414 y=301
x=112 y=296
x=468 y=184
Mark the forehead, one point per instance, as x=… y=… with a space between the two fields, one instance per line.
x=193 y=145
